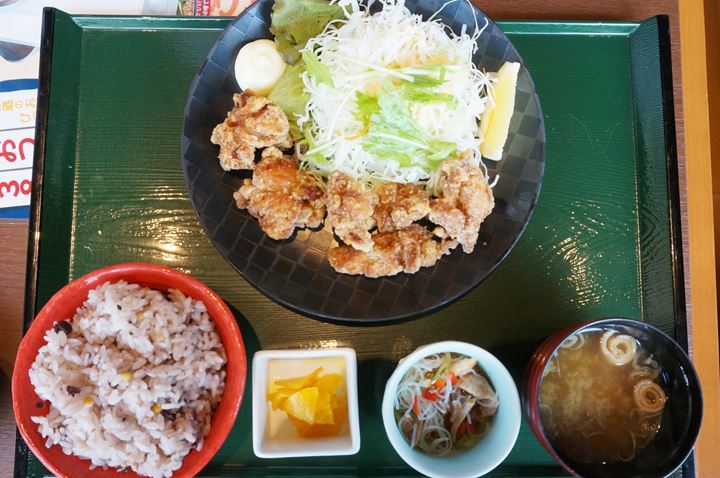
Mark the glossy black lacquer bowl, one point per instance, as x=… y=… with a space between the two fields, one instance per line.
x=681 y=417
x=295 y=272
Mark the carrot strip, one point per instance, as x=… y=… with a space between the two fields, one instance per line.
x=416 y=406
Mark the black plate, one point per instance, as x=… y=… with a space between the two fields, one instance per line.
x=295 y=272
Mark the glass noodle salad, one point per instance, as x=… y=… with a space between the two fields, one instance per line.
x=383 y=96
x=444 y=404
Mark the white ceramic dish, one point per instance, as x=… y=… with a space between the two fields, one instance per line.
x=273 y=434
x=491 y=450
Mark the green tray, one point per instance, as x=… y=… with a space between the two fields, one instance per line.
x=603 y=241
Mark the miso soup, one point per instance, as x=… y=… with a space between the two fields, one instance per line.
x=601 y=398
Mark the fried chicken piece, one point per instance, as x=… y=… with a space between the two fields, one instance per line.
x=399 y=205
x=350 y=205
x=254 y=122
x=464 y=201
x=281 y=196
x=405 y=250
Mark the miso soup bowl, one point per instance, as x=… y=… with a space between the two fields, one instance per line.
x=681 y=418
x=491 y=450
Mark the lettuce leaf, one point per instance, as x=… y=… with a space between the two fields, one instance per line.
x=394 y=134
x=317 y=69
x=317 y=158
x=294 y=22
x=365 y=107
x=289 y=94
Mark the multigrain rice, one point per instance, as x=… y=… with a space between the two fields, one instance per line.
x=132 y=379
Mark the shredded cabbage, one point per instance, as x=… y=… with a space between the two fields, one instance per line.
x=402 y=95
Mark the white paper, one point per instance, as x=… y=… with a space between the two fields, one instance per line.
x=21 y=22
x=17 y=109
x=16 y=149
x=15 y=187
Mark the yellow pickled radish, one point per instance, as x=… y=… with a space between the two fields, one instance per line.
x=323 y=409
x=278 y=398
x=298 y=383
x=302 y=404
x=311 y=402
x=329 y=382
x=258 y=66
x=495 y=120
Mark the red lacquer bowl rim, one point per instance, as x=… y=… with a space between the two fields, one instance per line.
x=62 y=305
x=531 y=387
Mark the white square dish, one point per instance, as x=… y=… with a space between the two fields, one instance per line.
x=274 y=436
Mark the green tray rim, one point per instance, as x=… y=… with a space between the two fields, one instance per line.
x=672 y=201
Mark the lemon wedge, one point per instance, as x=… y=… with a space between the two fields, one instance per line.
x=258 y=66
x=495 y=120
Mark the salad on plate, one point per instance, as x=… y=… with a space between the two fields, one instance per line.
x=374 y=121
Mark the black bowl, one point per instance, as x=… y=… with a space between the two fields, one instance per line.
x=295 y=272
x=681 y=418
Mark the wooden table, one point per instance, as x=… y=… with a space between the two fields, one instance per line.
x=697 y=84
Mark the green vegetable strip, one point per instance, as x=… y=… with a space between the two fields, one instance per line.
x=424 y=81
x=424 y=77
x=444 y=365
x=316 y=157
x=317 y=69
x=420 y=95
